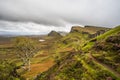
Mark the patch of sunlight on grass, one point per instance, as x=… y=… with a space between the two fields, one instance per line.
x=38 y=68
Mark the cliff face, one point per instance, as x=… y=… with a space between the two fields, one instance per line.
x=76 y=29
x=91 y=31
x=97 y=33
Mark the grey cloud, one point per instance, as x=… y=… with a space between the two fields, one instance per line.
x=29 y=10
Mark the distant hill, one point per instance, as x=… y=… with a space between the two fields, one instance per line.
x=4 y=39
x=54 y=34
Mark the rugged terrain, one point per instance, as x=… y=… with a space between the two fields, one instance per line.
x=89 y=53
x=89 y=59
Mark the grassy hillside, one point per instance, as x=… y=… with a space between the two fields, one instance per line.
x=74 y=56
x=99 y=62
x=111 y=32
x=89 y=44
x=77 y=37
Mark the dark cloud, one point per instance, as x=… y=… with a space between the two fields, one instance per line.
x=60 y=13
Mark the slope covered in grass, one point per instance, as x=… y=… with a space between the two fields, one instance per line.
x=111 y=32
x=78 y=36
x=100 y=62
x=101 y=37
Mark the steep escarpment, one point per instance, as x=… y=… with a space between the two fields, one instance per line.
x=89 y=29
x=92 y=31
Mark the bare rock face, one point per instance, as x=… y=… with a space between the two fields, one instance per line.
x=54 y=34
x=76 y=29
x=97 y=33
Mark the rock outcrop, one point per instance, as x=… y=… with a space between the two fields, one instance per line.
x=91 y=31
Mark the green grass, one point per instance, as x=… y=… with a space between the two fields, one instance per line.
x=73 y=40
x=88 y=46
x=108 y=33
x=106 y=69
x=101 y=37
x=88 y=67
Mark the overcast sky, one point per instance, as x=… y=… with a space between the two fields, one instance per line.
x=42 y=16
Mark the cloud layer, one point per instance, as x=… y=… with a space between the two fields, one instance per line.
x=28 y=28
x=57 y=13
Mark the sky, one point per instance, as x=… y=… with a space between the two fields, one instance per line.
x=42 y=16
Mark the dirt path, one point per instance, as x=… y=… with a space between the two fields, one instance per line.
x=106 y=66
